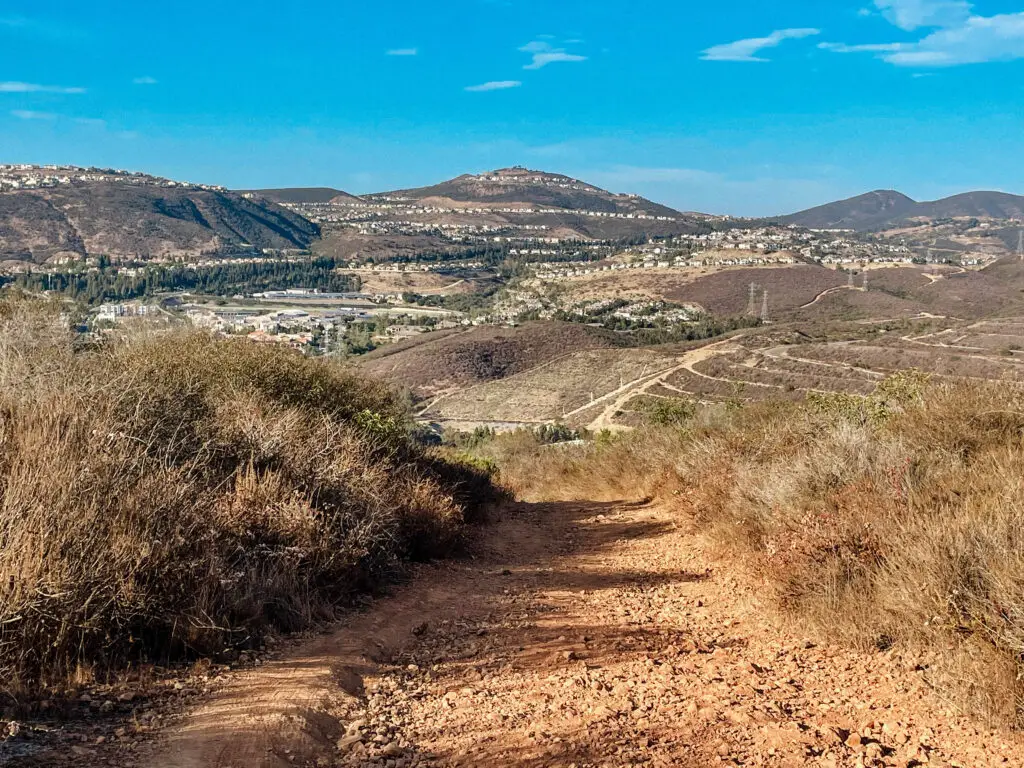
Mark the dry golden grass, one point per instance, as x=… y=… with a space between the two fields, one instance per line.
x=896 y=519
x=171 y=495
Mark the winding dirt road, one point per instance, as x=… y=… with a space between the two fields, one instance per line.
x=621 y=396
x=578 y=634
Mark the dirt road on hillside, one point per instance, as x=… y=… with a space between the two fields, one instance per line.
x=578 y=634
x=633 y=389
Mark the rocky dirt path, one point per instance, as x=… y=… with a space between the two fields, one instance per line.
x=578 y=635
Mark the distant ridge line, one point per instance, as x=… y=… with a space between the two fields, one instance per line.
x=886 y=208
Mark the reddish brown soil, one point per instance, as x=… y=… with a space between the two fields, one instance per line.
x=579 y=634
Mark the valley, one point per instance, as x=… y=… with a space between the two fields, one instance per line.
x=829 y=300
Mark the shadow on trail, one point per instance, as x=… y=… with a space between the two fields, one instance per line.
x=510 y=604
x=541 y=579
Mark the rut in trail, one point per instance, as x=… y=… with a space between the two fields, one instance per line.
x=580 y=635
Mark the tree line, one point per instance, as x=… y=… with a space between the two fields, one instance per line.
x=111 y=283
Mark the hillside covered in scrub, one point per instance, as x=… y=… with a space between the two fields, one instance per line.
x=141 y=221
x=886 y=521
x=166 y=495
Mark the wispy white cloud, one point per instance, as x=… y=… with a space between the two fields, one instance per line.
x=957 y=36
x=494 y=85
x=545 y=53
x=980 y=39
x=403 y=52
x=864 y=48
x=915 y=14
x=747 y=50
x=28 y=114
x=144 y=81
x=18 y=87
x=95 y=122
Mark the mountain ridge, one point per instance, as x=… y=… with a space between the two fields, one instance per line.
x=881 y=209
x=62 y=212
x=520 y=185
x=298 y=195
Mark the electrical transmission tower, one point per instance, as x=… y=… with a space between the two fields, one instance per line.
x=1020 y=244
x=849 y=279
x=865 y=279
x=752 y=304
x=764 y=307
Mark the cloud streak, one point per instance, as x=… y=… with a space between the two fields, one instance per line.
x=915 y=14
x=747 y=50
x=545 y=53
x=144 y=81
x=11 y=86
x=28 y=114
x=957 y=36
x=494 y=85
x=402 y=52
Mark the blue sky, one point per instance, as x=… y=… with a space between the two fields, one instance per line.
x=738 y=106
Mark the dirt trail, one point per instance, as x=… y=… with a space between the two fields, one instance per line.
x=829 y=292
x=638 y=387
x=578 y=634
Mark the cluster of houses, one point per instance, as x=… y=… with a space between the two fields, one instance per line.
x=825 y=246
x=393 y=267
x=635 y=310
x=297 y=328
x=118 y=312
x=518 y=175
x=348 y=211
x=518 y=303
x=662 y=260
x=24 y=176
x=235 y=320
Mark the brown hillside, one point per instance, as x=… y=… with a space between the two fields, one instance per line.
x=142 y=221
x=727 y=293
x=440 y=361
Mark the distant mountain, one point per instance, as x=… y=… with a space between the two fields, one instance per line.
x=539 y=189
x=73 y=212
x=982 y=205
x=884 y=209
x=864 y=212
x=299 y=195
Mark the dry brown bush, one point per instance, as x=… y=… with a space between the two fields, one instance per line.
x=897 y=520
x=169 y=495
